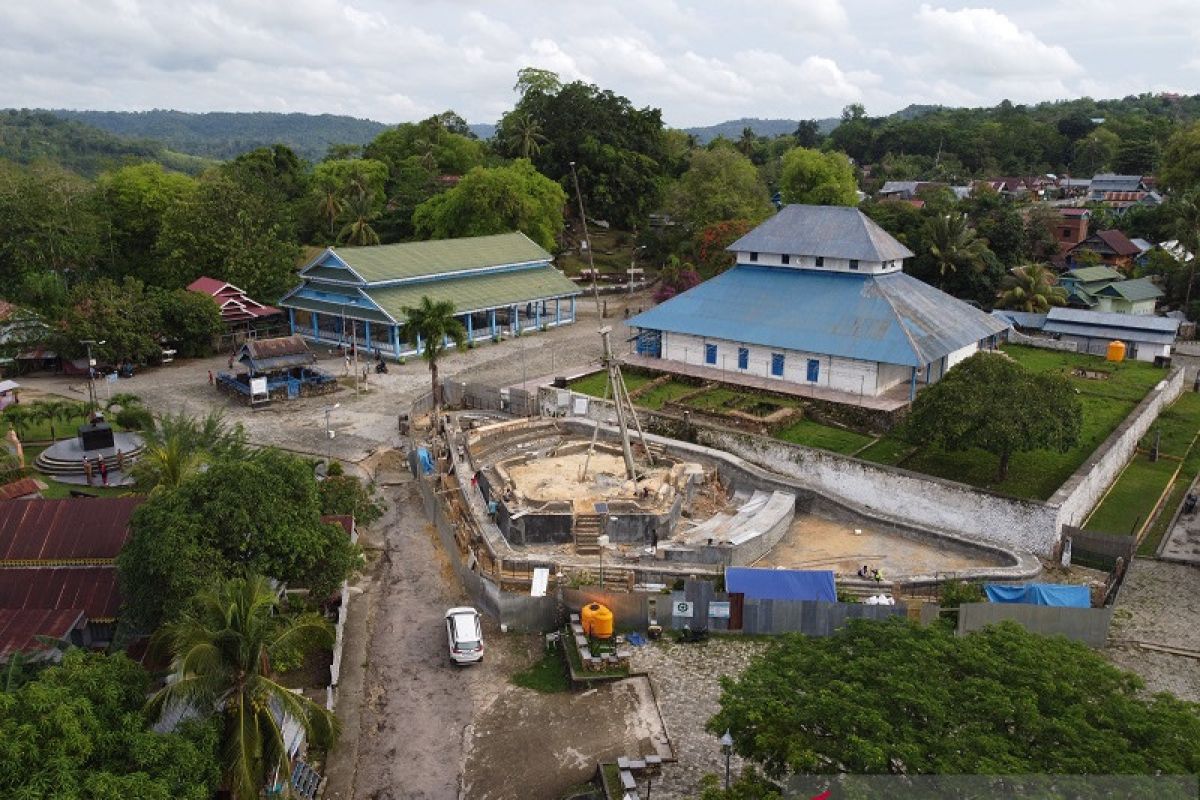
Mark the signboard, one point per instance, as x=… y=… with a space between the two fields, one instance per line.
x=581 y=406
x=541 y=577
x=111 y=377
x=258 y=390
x=683 y=608
x=718 y=609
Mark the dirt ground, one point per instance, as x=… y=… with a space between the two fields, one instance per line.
x=556 y=739
x=815 y=542
x=1159 y=604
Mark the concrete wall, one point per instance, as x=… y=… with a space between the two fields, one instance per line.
x=1087 y=625
x=1083 y=490
x=828 y=263
x=889 y=492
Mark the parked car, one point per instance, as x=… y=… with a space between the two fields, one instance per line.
x=464 y=634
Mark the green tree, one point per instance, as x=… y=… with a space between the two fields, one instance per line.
x=258 y=513
x=496 y=200
x=122 y=315
x=347 y=495
x=76 y=732
x=808 y=133
x=816 y=178
x=360 y=212
x=132 y=202
x=719 y=185
x=427 y=327
x=221 y=654
x=1096 y=152
x=992 y=403
x=953 y=243
x=711 y=241
x=897 y=698
x=190 y=321
x=524 y=134
x=1031 y=287
x=1180 y=171
x=1186 y=213
x=179 y=444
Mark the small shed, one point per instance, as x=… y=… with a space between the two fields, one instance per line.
x=268 y=356
x=285 y=364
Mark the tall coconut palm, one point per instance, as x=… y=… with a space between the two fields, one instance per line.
x=524 y=134
x=20 y=417
x=358 y=230
x=953 y=243
x=66 y=412
x=428 y=327
x=1031 y=288
x=329 y=202
x=221 y=652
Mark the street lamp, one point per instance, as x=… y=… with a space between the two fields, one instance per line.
x=92 y=369
x=329 y=435
x=727 y=749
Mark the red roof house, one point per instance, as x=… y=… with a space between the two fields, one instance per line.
x=72 y=531
x=19 y=630
x=234 y=304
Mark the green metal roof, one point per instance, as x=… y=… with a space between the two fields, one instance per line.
x=334 y=309
x=330 y=273
x=477 y=292
x=391 y=262
x=1093 y=274
x=1133 y=291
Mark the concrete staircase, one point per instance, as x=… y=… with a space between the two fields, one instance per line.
x=587 y=529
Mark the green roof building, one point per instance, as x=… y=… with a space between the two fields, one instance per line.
x=1104 y=289
x=499 y=285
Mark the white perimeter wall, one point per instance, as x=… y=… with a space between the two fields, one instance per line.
x=843 y=374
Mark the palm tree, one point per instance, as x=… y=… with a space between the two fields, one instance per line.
x=1187 y=229
x=746 y=144
x=1031 y=288
x=330 y=203
x=524 y=134
x=19 y=417
x=221 y=652
x=358 y=230
x=179 y=445
x=41 y=412
x=428 y=326
x=66 y=412
x=953 y=244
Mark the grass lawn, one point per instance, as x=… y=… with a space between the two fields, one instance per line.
x=1038 y=473
x=1178 y=426
x=664 y=393
x=1132 y=498
x=814 y=434
x=611 y=252
x=888 y=450
x=595 y=383
x=548 y=675
x=716 y=399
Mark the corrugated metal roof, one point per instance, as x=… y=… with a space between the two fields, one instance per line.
x=1108 y=333
x=1134 y=290
x=93 y=589
x=1092 y=274
x=477 y=292
x=828 y=231
x=22 y=487
x=19 y=629
x=1143 y=322
x=335 y=309
x=283 y=352
x=390 y=262
x=1022 y=319
x=1108 y=182
x=891 y=318
x=77 y=529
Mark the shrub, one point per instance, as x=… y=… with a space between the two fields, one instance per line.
x=135 y=417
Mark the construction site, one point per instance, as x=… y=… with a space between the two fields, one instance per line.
x=594 y=503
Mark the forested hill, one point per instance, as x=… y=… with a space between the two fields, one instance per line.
x=27 y=136
x=732 y=129
x=225 y=135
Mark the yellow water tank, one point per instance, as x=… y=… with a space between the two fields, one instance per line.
x=1116 y=351
x=597 y=621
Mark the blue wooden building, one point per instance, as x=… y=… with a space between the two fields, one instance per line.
x=499 y=285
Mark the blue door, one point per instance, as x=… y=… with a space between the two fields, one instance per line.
x=710 y=354
x=777 y=364
x=293 y=388
x=743 y=358
x=649 y=343
x=814 y=370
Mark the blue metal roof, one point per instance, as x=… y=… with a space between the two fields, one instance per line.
x=781 y=584
x=891 y=318
x=1021 y=319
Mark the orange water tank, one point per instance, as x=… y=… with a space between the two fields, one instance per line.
x=597 y=621
x=1116 y=351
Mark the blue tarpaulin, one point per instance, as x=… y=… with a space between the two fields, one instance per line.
x=781 y=584
x=426 y=460
x=1040 y=594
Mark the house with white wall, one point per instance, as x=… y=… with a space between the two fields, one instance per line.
x=818 y=297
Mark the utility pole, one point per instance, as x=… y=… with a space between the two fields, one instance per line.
x=586 y=238
x=92 y=372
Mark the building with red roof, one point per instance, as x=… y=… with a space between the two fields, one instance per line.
x=236 y=307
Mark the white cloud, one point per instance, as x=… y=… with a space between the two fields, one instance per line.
x=982 y=41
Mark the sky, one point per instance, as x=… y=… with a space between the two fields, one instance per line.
x=701 y=62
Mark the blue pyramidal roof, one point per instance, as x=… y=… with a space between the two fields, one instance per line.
x=891 y=318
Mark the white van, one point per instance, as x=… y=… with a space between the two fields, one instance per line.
x=464 y=635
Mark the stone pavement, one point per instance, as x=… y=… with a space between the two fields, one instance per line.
x=686 y=680
x=1182 y=542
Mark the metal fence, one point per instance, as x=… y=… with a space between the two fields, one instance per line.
x=1098 y=550
x=1087 y=625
